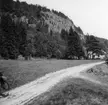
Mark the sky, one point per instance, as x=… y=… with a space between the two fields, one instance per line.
x=90 y=15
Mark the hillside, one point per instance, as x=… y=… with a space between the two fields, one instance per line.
x=35 y=14
x=40 y=32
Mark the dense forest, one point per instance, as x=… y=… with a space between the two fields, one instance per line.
x=24 y=32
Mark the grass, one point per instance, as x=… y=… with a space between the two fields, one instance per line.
x=21 y=72
x=98 y=73
x=74 y=92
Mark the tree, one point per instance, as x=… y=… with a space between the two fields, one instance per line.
x=74 y=45
x=79 y=47
x=70 y=44
x=8 y=39
x=93 y=45
x=21 y=33
x=13 y=38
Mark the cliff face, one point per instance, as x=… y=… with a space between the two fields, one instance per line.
x=57 y=23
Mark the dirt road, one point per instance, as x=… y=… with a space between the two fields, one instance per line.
x=25 y=93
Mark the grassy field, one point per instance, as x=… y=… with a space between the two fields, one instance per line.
x=21 y=72
x=74 y=91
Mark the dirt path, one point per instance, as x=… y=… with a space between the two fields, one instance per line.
x=25 y=93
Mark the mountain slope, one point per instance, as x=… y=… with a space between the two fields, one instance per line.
x=47 y=32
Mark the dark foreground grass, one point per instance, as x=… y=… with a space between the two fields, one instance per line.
x=21 y=72
x=74 y=92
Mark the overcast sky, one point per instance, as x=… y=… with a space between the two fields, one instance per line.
x=90 y=15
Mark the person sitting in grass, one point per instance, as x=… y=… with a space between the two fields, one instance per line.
x=2 y=79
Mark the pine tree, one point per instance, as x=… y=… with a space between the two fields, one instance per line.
x=8 y=39
x=74 y=45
